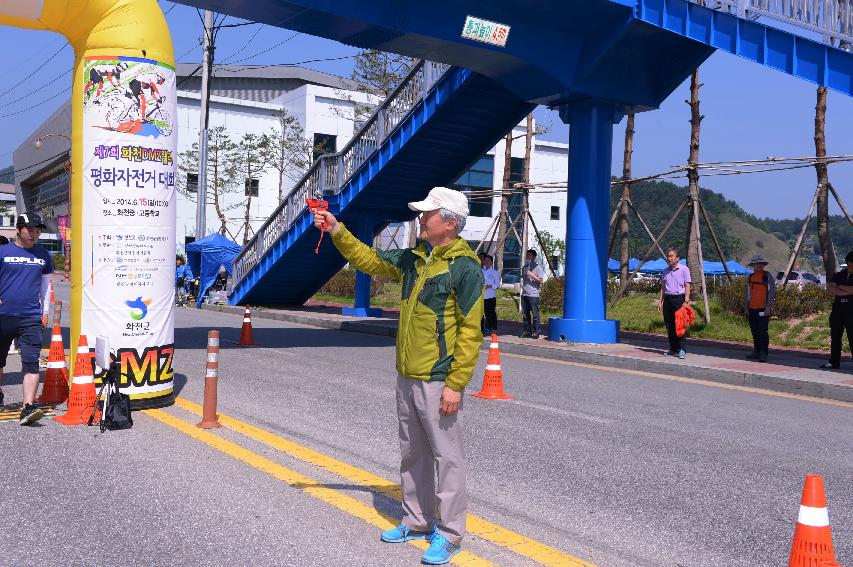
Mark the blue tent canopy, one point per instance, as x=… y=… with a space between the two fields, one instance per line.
x=659 y=265
x=613 y=265
x=205 y=256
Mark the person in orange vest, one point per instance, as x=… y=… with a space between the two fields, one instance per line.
x=760 y=295
x=674 y=292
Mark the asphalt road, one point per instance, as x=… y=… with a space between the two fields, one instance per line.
x=615 y=468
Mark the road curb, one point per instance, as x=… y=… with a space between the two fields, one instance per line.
x=387 y=328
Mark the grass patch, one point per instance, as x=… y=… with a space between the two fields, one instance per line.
x=639 y=313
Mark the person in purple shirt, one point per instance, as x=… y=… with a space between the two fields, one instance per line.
x=674 y=292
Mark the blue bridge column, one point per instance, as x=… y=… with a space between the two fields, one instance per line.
x=590 y=147
x=363 y=230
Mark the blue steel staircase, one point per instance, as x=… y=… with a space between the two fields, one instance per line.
x=437 y=122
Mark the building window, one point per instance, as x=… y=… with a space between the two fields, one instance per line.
x=513 y=258
x=555 y=213
x=324 y=144
x=477 y=184
x=192 y=183
x=252 y=186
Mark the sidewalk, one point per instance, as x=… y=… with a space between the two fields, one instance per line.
x=790 y=370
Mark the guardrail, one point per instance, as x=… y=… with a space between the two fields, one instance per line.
x=329 y=173
x=833 y=19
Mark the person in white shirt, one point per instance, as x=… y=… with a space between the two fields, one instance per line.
x=493 y=282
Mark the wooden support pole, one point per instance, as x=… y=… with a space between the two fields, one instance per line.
x=799 y=242
x=714 y=238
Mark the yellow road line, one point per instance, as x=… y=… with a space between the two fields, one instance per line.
x=308 y=485
x=539 y=552
x=684 y=380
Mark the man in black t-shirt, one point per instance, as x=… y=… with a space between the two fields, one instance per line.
x=841 y=317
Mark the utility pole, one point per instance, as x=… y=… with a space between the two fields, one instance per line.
x=206 y=66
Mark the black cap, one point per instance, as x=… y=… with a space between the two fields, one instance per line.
x=849 y=257
x=29 y=220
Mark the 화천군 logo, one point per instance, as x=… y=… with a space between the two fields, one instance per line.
x=138 y=308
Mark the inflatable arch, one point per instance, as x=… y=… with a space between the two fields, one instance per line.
x=124 y=140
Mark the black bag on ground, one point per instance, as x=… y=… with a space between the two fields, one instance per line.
x=118 y=412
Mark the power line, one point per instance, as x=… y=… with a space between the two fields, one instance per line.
x=185 y=79
x=30 y=74
x=188 y=51
x=294 y=64
x=45 y=101
x=38 y=89
x=245 y=45
x=33 y=166
x=268 y=49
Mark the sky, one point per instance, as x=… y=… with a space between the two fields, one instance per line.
x=751 y=112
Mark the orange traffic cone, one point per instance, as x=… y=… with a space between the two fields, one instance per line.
x=83 y=399
x=812 y=544
x=493 y=379
x=52 y=297
x=246 y=332
x=55 y=388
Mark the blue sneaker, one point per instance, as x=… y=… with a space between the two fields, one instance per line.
x=401 y=533
x=440 y=551
x=681 y=354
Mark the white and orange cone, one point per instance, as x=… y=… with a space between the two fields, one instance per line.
x=493 y=379
x=812 y=546
x=246 y=337
x=55 y=388
x=82 y=400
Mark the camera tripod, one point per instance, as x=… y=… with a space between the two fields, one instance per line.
x=109 y=386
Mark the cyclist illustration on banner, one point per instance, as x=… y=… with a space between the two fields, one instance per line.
x=96 y=78
x=132 y=101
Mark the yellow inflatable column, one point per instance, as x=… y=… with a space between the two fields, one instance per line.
x=124 y=142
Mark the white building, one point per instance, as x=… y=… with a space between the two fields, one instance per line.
x=245 y=100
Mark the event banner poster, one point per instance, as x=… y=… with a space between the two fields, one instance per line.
x=128 y=244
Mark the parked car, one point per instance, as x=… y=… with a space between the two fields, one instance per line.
x=798 y=278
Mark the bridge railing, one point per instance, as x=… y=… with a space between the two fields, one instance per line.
x=833 y=19
x=328 y=174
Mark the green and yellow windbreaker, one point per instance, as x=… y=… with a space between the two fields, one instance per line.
x=439 y=335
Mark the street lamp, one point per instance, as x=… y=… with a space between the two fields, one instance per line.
x=39 y=143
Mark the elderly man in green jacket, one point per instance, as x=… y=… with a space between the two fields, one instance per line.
x=438 y=343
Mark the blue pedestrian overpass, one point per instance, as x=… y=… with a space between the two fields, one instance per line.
x=593 y=60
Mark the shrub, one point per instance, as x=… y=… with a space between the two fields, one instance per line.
x=342 y=284
x=58 y=263
x=551 y=294
x=791 y=302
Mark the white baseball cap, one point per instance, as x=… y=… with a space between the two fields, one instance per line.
x=442 y=198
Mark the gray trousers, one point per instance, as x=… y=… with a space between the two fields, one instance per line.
x=431 y=442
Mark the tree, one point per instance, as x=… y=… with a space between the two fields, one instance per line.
x=550 y=246
x=693 y=254
x=286 y=150
x=222 y=175
x=249 y=159
x=625 y=237
x=827 y=251
x=503 y=221
x=377 y=73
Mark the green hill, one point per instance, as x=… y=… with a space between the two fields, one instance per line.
x=789 y=229
x=740 y=234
